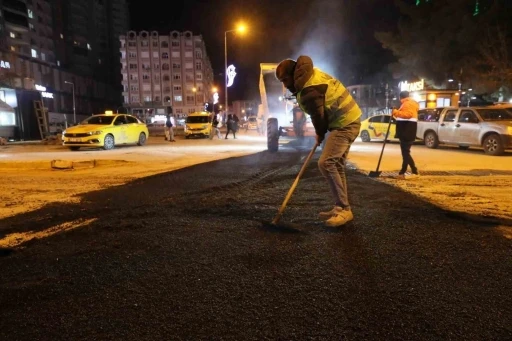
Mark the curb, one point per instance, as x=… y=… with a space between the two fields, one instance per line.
x=59 y=164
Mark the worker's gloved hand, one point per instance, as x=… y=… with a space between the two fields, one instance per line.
x=319 y=139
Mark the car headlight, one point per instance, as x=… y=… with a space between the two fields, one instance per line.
x=63 y=133
x=97 y=132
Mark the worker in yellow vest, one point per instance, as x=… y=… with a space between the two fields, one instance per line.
x=333 y=113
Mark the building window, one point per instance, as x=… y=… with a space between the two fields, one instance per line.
x=145 y=76
x=134 y=87
x=13 y=48
x=33 y=53
x=30 y=14
x=155 y=44
x=188 y=54
x=157 y=99
x=32 y=28
x=133 y=66
x=156 y=66
x=12 y=35
x=175 y=54
x=176 y=76
x=89 y=46
x=199 y=55
x=134 y=77
x=144 y=43
x=188 y=66
x=144 y=54
x=165 y=66
x=166 y=77
x=190 y=98
x=58 y=62
x=178 y=98
x=177 y=88
x=132 y=54
x=176 y=65
x=61 y=36
x=167 y=99
x=43 y=56
x=199 y=66
x=155 y=54
x=175 y=43
x=164 y=44
x=191 y=110
x=147 y=98
x=135 y=99
x=165 y=55
x=199 y=76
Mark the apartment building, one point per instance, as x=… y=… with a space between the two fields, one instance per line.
x=70 y=48
x=165 y=71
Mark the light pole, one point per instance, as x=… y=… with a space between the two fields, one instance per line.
x=74 y=107
x=239 y=29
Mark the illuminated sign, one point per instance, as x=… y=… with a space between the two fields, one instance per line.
x=43 y=91
x=415 y=86
x=215 y=98
x=5 y=65
x=230 y=71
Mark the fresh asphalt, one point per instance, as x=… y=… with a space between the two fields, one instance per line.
x=190 y=255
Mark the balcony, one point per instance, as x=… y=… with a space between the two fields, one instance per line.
x=16 y=22
x=15 y=5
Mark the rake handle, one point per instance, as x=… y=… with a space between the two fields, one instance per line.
x=292 y=189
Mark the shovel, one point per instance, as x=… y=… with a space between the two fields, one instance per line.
x=377 y=172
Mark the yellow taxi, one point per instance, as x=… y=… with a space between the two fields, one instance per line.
x=106 y=131
x=375 y=128
x=198 y=124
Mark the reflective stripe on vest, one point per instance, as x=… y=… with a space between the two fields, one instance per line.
x=340 y=106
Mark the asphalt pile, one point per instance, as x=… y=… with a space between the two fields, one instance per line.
x=189 y=255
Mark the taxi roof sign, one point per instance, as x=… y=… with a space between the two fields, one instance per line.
x=109 y=112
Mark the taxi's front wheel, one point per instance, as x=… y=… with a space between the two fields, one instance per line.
x=142 y=139
x=109 y=142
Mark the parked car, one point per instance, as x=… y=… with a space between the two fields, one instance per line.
x=198 y=124
x=375 y=127
x=106 y=131
x=489 y=127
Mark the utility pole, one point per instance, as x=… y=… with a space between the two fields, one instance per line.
x=387 y=98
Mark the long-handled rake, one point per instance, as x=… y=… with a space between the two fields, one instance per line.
x=292 y=189
x=376 y=173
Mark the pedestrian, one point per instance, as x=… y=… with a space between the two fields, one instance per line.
x=406 y=126
x=230 y=125
x=215 y=127
x=332 y=109
x=169 y=131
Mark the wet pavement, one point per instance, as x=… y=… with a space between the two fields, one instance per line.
x=191 y=255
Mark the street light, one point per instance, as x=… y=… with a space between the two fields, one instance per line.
x=239 y=29
x=74 y=108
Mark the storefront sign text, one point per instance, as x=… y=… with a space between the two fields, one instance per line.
x=5 y=65
x=415 y=86
x=43 y=91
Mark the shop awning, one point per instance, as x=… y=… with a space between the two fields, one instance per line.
x=4 y=107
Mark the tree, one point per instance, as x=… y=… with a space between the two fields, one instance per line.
x=438 y=40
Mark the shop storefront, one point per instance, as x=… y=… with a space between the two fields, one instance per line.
x=8 y=116
x=430 y=98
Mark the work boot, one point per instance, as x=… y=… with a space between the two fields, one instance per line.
x=340 y=217
x=327 y=214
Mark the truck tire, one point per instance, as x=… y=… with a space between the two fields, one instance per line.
x=493 y=145
x=272 y=135
x=431 y=140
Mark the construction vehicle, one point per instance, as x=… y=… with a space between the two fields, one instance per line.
x=279 y=110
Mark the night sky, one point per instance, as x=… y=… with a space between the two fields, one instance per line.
x=337 y=34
